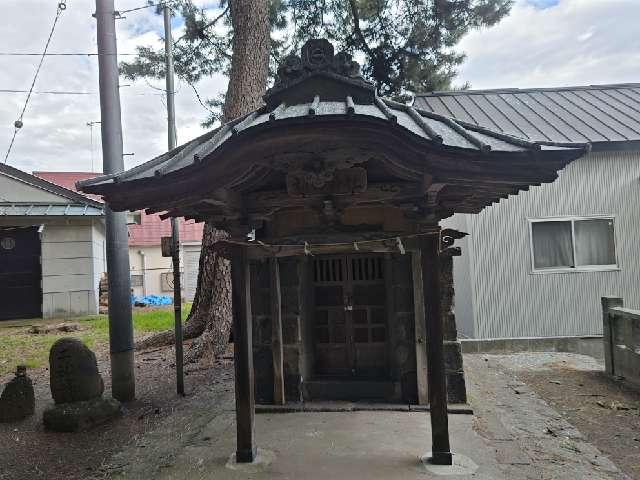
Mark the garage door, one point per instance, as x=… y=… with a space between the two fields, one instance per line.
x=20 y=273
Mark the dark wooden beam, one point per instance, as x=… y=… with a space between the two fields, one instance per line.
x=441 y=449
x=276 y=332
x=433 y=191
x=420 y=334
x=243 y=355
x=388 y=192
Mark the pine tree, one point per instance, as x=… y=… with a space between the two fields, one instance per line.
x=405 y=47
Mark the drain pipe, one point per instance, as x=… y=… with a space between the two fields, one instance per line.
x=143 y=265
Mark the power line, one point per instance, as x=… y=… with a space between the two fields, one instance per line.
x=64 y=54
x=68 y=92
x=62 y=6
x=120 y=12
x=48 y=92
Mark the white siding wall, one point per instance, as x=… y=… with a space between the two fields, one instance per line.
x=154 y=266
x=68 y=278
x=506 y=299
x=99 y=258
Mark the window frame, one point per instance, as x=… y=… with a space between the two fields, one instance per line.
x=577 y=269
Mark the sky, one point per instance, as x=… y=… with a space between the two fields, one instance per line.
x=542 y=43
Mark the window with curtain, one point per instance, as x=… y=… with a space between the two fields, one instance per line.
x=573 y=243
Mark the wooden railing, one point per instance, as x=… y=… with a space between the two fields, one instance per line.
x=621 y=334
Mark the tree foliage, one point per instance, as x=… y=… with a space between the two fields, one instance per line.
x=405 y=46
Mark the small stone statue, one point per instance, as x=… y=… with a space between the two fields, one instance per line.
x=76 y=388
x=17 y=400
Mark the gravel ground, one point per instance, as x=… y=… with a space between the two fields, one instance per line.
x=604 y=410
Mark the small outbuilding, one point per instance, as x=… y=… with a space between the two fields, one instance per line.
x=51 y=248
x=341 y=291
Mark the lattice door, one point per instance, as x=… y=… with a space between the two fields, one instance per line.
x=350 y=330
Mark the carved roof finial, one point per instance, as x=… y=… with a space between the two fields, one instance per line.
x=317 y=57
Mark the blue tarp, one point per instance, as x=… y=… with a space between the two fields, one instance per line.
x=152 y=300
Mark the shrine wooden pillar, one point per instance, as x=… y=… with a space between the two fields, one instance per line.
x=276 y=332
x=243 y=355
x=430 y=252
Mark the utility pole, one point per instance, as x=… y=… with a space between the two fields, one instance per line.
x=117 y=245
x=175 y=230
x=90 y=125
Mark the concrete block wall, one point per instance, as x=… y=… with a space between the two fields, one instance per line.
x=621 y=327
x=292 y=335
x=402 y=328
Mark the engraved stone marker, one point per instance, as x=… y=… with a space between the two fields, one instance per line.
x=73 y=372
x=76 y=388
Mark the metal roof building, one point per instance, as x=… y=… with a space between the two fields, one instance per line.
x=501 y=288
x=51 y=248
x=604 y=115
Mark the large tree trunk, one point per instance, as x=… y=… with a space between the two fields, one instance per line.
x=210 y=318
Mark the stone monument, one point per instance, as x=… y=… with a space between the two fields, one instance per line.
x=17 y=400
x=76 y=388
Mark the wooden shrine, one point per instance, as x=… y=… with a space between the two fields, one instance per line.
x=343 y=289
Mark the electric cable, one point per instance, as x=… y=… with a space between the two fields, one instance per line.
x=17 y=125
x=120 y=12
x=61 y=54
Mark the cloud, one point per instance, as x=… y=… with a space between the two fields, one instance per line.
x=575 y=42
x=541 y=43
x=55 y=135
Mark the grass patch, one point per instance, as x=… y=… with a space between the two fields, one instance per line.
x=19 y=347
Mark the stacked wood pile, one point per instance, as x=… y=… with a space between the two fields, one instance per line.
x=103 y=294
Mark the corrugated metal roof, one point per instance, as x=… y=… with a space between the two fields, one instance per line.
x=600 y=114
x=151 y=228
x=432 y=126
x=49 y=210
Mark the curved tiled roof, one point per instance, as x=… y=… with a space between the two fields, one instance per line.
x=148 y=233
x=321 y=114
x=435 y=127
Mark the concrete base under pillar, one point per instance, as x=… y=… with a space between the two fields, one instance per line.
x=263 y=460
x=462 y=465
x=123 y=381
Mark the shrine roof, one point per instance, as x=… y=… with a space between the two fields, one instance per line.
x=433 y=127
x=321 y=107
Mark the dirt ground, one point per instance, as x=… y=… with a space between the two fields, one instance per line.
x=30 y=452
x=545 y=416
x=605 y=411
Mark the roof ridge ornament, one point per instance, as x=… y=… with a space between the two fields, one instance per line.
x=317 y=57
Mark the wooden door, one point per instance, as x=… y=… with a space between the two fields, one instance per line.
x=350 y=328
x=333 y=355
x=368 y=315
x=20 y=273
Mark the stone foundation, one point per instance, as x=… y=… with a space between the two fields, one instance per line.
x=297 y=346
x=456 y=386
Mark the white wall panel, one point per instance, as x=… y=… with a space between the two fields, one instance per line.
x=510 y=301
